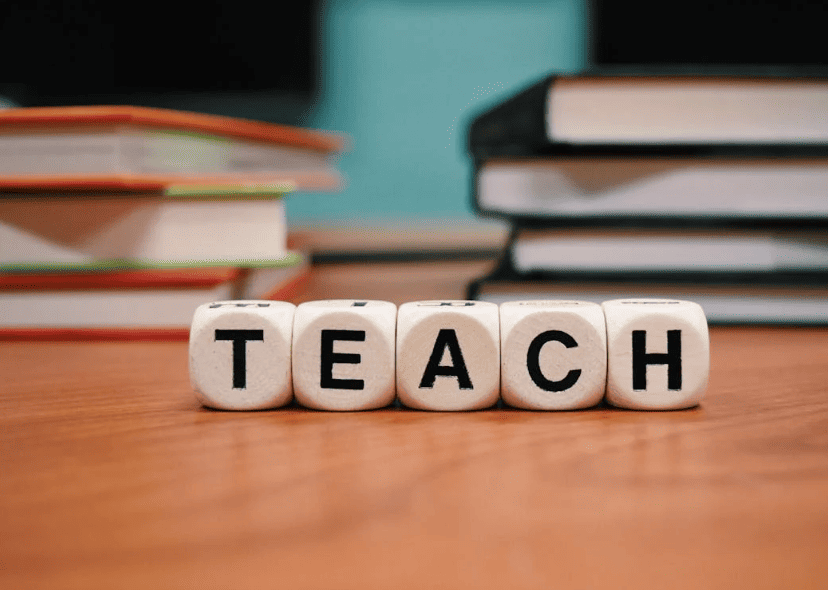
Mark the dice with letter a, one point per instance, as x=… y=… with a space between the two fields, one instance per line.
x=344 y=354
x=658 y=353
x=553 y=354
x=240 y=354
x=448 y=355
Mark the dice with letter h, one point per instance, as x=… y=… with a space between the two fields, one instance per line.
x=348 y=355
x=659 y=353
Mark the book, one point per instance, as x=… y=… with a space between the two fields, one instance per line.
x=654 y=190
x=145 y=149
x=642 y=185
x=409 y=240
x=726 y=299
x=639 y=113
x=623 y=251
x=68 y=231
x=133 y=304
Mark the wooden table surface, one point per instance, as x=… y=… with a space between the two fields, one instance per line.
x=112 y=476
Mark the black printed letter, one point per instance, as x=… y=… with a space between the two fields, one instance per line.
x=641 y=358
x=329 y=357
x=446 y=338
x=533 y=361
x=240 y=338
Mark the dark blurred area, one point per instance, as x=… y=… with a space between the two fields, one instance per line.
x=739 y=36
x=222 y=56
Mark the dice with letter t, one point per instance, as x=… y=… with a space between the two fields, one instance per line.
x=240 y=354
x=343 y=354
x=658 y=353
x=553 y=354
x=448 y=355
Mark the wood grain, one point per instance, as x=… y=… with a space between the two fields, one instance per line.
x=112 y=476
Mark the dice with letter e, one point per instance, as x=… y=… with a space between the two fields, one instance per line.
x=343 y=354
x=240 y=354
x=658 y=353
x=448 y=355
x=553 y=354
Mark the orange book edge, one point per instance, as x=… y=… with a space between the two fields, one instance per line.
x=27 y=119
x=140 y=334
x=161 y=278
x=155 y=183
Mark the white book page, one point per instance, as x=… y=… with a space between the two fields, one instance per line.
x=643 y=110
x=633 y=187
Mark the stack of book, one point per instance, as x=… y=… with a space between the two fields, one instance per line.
x=120 y=221
x=710 y=188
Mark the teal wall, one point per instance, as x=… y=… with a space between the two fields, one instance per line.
x=402 y=78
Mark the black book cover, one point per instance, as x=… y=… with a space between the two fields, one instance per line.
x=516 y=128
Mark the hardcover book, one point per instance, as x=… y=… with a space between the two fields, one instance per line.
x=606 y=114
x=662 y=190
x=154 y=303
x=63 y=231
x=137 y=148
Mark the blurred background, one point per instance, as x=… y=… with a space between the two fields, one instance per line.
x=400 y=77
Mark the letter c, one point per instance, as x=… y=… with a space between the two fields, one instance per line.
x=533 y=361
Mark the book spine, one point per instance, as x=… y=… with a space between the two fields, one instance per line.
x=515 y=127
x=477 y=206
x=502 y=269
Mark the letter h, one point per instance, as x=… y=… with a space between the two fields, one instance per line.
x=641 y=358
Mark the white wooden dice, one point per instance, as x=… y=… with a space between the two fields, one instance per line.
x=553 y=354
x=347 y=355
x=448 y=355
x=344 y=354
x=659 y=353
x=240 y=353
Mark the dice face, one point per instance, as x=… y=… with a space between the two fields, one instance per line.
x=658 y=353
x=344 y=354
x=240 y=354
x=448 y=355
x=553 y=354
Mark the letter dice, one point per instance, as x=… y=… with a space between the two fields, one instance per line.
x=344 y=354
x=553 y=354
x=240 y=354
x=448 y=355
x=659 y=353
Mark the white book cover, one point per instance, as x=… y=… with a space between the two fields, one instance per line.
x=143 y=152
x=668 y=110
x=592 y=188
x=150 y=230
x=141 y=148
x=743 y=307
x=628 y=252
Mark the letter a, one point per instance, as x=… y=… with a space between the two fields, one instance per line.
x=446 y=338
